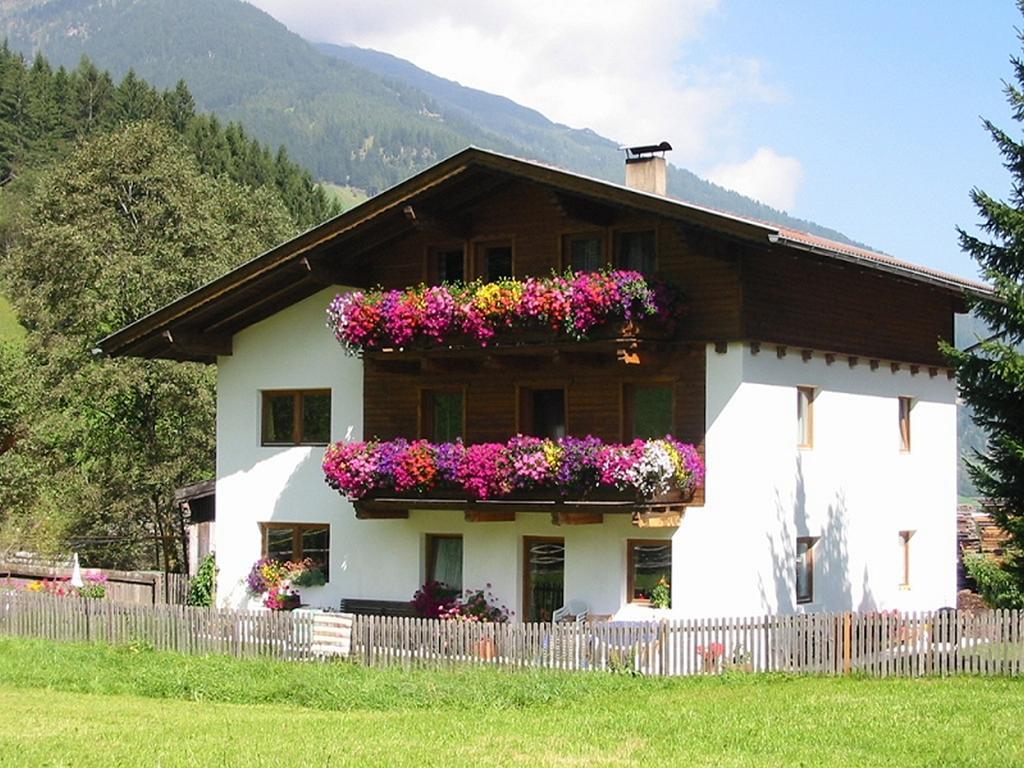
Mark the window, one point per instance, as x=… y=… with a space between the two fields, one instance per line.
x=805 y=417
x=649 y=561
x=905 y=537
x=584 y=253
x=444 y=560
x=906 y=404
x=297 y=541
x=543 y=577
x=805 y=569
x=296 y=417
x=495 y=262
x=542 y=412
x=636 y=251
x=447 y=266
x=442 y=415
x=648 y=411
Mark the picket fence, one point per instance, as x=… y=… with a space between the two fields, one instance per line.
x=179 y=628
x=876 y=644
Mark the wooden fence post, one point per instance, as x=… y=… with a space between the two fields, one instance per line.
x=847 y=643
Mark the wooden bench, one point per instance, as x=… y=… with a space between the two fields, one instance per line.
x=378 y=607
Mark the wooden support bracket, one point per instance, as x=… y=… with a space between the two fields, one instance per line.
x=577 y=518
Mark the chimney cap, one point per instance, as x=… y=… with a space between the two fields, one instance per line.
x=637 y=153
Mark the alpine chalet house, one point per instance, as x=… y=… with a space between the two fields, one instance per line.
x=499 y=374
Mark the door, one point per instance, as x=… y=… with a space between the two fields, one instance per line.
x=543 y=577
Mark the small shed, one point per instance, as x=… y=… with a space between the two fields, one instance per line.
x=198 y=504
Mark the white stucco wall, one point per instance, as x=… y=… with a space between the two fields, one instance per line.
x=855 y=489
x=734 y=556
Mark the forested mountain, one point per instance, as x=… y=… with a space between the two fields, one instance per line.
x=115 y=198
x=353 y=117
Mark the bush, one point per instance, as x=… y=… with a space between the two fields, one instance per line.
x=995 y=584
x=203 y=587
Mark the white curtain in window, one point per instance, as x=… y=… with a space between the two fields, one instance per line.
x=448 y=562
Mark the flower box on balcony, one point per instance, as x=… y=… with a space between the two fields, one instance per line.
x=571 y=475
x=571 y=307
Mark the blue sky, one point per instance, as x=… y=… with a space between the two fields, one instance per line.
x=861 y=115
x=882 y=104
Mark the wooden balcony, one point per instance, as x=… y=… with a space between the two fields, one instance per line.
x=631 y=343
x=664 y=511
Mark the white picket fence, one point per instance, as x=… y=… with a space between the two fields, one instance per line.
x=880 y=645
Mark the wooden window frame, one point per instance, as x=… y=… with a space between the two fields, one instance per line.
x=297 y=414
x=430 y=560
x=431 y=274
x=905 y=537
x=810 y=393
x=565 y=252
x=628 y=406
x=297 y=530
x=811 y=542
x=631 y=567
x=524 y=409
x=614 y=247
x=906 y=407
x=525 y=554
x=480 y=254
x=425 y=414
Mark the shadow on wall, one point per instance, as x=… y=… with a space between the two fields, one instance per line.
x=832 y=586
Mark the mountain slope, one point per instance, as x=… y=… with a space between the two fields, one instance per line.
x=353 y=117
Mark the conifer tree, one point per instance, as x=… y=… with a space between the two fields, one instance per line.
x=991 y=374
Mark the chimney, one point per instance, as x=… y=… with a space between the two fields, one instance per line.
x=645 y=171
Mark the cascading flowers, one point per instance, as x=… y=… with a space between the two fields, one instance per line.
x=571 y=304
x=569 y=466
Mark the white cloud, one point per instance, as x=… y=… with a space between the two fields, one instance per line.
x=767 y=176
x=617 y=68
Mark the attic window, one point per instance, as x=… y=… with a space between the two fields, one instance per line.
x=495 y=262
x=584 y=253
x=636 y=251
x=447 y=266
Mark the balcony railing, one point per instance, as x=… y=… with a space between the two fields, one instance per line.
x=576 y=480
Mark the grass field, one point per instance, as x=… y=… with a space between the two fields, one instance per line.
x=85 y=706
x=348 y=197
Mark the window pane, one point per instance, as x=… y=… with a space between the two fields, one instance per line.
x=316 y=545
x=278 y=418
x=905 y=404
x=548 y=413
x=652 y=412
x=545 y=579
x=804 y=416
x=635 y=250
x=450 y=267
x=447 y=416
x=280 y=542
x=446 y=559
x=651 y=563
x=498 y=263
x=585 y=254
x=316 y=418
x=804 y=577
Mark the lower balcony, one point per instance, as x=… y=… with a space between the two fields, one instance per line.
x=574 y=480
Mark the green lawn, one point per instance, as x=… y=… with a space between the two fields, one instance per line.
x=83 y=706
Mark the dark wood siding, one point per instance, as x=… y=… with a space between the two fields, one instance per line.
x=801 y=301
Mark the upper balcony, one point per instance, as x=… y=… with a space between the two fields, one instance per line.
x=575 y=480
x=598 y=316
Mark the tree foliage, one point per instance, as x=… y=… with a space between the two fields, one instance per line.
x=125 y=223
x=43 y=110
x=991 y=375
